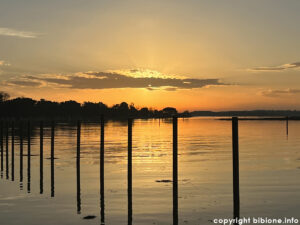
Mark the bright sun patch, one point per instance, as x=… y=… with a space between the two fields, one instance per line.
x=143 y=73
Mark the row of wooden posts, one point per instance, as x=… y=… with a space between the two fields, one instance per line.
x=235 y=160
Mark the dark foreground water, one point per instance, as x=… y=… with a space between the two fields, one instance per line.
x=269 y=174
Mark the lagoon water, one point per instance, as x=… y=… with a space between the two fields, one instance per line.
x=269 y=174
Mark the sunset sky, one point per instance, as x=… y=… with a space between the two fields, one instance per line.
x=192 y=54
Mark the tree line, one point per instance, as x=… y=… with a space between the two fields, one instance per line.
x=29 y=108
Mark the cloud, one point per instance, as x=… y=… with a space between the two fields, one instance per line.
x=25 y=83
x=277 y=68
x=279 y=93
x=108 y=80
x=16 y=33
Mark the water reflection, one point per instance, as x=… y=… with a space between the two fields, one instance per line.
x=149 y=152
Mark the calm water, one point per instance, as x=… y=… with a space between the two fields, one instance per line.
x=269 y=174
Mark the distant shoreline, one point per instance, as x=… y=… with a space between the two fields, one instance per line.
x=265 y=118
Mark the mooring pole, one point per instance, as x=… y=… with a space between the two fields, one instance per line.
x=21 y=155
x=7 y=154
x=1 y=139
x=287 y=125
x=102 y=170
x=28 y=156
x=129 y=171
x=235 y=160
x=52 y=158
x=12 y=150
x=175 y=170
x=41 y=157
x=78 y=167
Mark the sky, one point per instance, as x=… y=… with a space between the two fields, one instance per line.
x=192 y=54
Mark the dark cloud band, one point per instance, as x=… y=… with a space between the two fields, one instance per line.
x=279 y=93
x=278 y=68
x=102 y=80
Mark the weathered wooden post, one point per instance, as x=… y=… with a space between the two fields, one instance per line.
x=12 y=150
x=28 y=156
x=7 y=154
x=78 y=167
x=21 y=154
x=41 y=157
x=287 y=125
x=102 y=205
x=129 y=171
x=52 y=158
x=1 y=146
x=29 y=138
x=235 y=161
x=175 y=170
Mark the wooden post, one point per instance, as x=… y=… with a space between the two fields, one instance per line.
x=287 y=125
x=235 y=160
x=29 y=138
x=21 y=155
x=175 y=171
x=28 y=156
x=12 y=151
x=7 y=154
x=41 y=157
x=102 y=205
x=78 y=168
x=129 y=171
x=1 y=146
x=52 y=158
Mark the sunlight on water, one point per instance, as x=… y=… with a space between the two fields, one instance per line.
x=269 y=173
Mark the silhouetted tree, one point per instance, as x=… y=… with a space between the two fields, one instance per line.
x=144 y=112
x=70 y=109
x=90 y=109
x=3 y=96
x=169 y=111
x=27 y=107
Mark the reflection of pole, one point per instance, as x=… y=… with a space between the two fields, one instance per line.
x=21 y=155
x=28 y=157
x=235 y=160
x=12 y=151
x=129 y=171
x=102 y=170
x=52 y=159
x=78 y=168
x=175 y=171
x=41 y=157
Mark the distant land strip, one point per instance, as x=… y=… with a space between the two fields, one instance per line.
x=20 y=108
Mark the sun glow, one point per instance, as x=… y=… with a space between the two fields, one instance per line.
x=144 y=73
